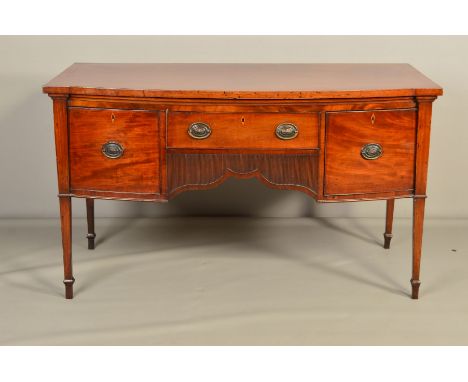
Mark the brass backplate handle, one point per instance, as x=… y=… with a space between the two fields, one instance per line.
x=371 y=151
x=112 y=150
x=199 y=130
x=286 y=131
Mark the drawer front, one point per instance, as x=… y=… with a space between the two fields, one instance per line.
x=114 y=150
x=243 y=130
x=370 y=152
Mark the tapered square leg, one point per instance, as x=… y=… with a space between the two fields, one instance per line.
x=389 y=223
x=66 y=224
x=418 y=221
x=91 y=236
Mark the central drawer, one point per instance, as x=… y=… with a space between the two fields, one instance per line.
x=242 y=130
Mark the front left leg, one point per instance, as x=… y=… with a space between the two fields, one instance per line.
x=418 y=221
x=66 y=223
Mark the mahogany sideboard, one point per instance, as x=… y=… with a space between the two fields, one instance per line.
x=147 y=132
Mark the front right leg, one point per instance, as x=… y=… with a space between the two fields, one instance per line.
x=66 y=223
x=418 y=221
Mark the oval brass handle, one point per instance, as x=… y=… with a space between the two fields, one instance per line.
x=112 y=150
x=371 y=151
x=287 y=131
x=199 y=130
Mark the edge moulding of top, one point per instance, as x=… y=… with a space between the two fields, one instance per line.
x=245 y=81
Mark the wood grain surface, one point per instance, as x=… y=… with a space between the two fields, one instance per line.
x=251 y=81
x=189 y=171
x=347 y=172
x=242 y=130
x=138 y=168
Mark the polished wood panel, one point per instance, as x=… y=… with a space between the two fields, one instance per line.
x=347 y=172
x=236 y=81
x=202 y=171
x=236 y=130
x=242 y=105
x=138 y=168
x=61 y=142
